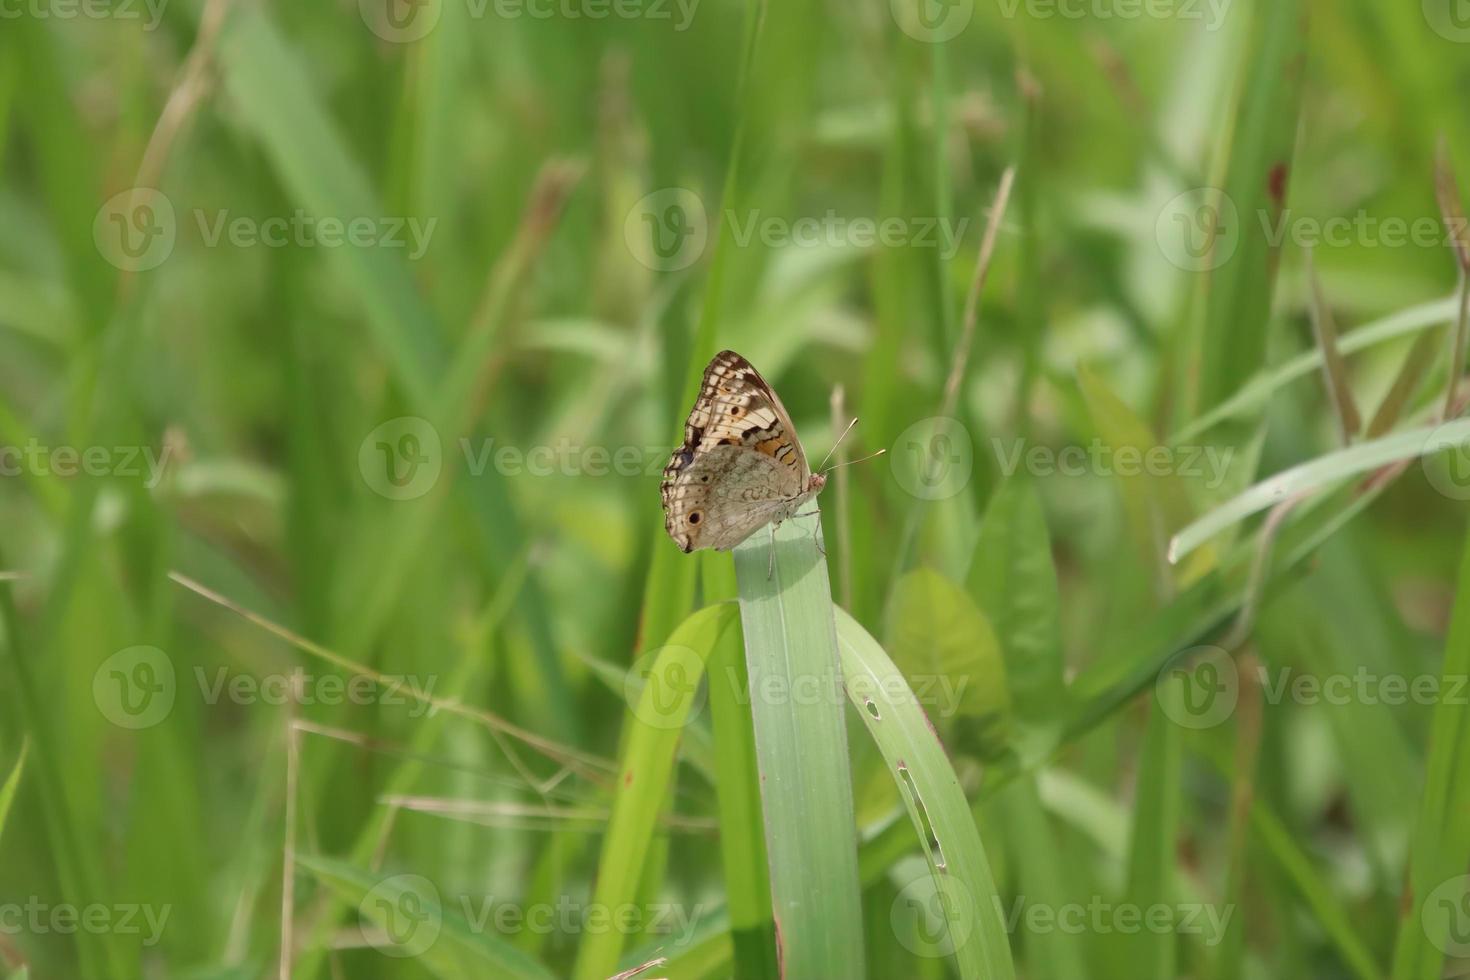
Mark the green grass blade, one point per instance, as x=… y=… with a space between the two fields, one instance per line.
x=12 y=783
x=801 y=747
x=654 y=729
x=1440 y=851
x=960 y=888
x=1316 y=475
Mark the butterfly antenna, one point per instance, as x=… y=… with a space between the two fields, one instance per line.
x=835 y=445
x=851 y=461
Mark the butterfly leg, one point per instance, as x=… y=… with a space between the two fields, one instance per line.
x=771 y=559
x=815 y=540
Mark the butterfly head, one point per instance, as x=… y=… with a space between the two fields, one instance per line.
x=816 y=482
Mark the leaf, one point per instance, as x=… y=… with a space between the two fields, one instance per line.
x=1014 y=581
x=948 y=652
x=1317 y=474
x=1334 y=369
x=654 y=726
x=959 y=889
x=797 y=711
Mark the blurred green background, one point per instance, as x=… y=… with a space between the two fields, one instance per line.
x=379 y=320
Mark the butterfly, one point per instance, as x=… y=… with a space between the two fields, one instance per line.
x=741 y=466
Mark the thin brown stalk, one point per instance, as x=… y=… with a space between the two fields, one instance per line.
x=591 y=766
x=1334 y=368
x=977 y=285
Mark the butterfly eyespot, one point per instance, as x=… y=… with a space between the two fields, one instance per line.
x=704 y=478
x=696 y=516
x=737 y=411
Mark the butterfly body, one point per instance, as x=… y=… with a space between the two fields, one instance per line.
x=740 y=467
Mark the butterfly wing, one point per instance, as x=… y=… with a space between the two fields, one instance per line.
x=740 y=466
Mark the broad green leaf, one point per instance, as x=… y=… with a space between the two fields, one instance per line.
x=948 y=652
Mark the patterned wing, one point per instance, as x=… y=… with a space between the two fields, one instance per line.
x=736 y=407
x=741 y=465
x=726 y=494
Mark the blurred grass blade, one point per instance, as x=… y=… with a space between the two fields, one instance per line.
x=1318 y=474
x=654 y=728
x=417 y=924
x=1150 y=954
x=801 y=748
x=1451 y=205
x=1334 y=369
x=1411 y=374
x=1257 y=392
x=1440 y=850
x=1264 y=132
x=1156 y=503
x=960 y=892
x=275 y=97
x=12 y=783
x=1014 y=580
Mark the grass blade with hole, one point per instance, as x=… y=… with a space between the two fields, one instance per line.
x=962 y=886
